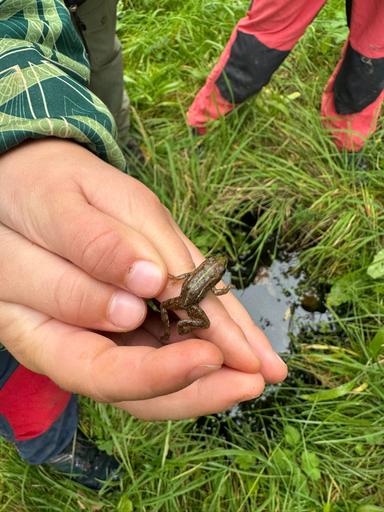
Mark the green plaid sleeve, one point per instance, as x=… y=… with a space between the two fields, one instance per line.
x=44 y=74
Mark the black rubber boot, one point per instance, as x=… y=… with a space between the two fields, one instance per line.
x=133 y=154
x=85 y=463
x=357 y=162
x=197 y=143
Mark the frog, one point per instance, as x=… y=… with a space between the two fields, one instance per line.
x=194 y=289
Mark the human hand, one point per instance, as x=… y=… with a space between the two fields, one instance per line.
x=75 y=231
x=218 y=390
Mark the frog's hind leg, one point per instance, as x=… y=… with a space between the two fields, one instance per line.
x=197 y=320
x=164 y=306
x=166 y=322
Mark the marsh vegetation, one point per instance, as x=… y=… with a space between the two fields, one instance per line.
x=315 y=442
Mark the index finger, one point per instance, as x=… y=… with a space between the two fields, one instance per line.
x=273 y=368
x=224 y=332
x=62 y=205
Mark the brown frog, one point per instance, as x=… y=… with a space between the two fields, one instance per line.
x=195 y=287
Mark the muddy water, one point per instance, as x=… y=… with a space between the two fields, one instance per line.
x=280 y=302
x=287 y=309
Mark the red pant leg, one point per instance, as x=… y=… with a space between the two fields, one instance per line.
x=353 y=97
x=37 y=416
x=257 y=47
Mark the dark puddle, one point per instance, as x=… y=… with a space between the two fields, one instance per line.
x=279 y=299
x=287 y=308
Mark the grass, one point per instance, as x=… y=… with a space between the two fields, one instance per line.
x=315 y=443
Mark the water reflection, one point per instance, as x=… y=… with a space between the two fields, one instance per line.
x=279 y=303
x=285 y=307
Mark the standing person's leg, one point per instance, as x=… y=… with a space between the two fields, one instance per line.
x=258 y=45
x=98 y=31
x=354 y=94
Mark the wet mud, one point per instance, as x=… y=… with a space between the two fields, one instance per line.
x=289 y=309
x=280 y=300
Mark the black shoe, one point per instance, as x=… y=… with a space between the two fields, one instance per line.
x=85 y=463
x=357 y=162
x=197 y=145
x=133 y=154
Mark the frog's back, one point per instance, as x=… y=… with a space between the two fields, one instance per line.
x=207 y=275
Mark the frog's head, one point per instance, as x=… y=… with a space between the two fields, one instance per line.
x=218 y=263
x=221 y=261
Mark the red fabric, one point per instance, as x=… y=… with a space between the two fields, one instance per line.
x=367 y=28
x=367 y=38
x=31 y=403
x=349 y=132
x=276 y=23
x=209 y=104
x=279 y=24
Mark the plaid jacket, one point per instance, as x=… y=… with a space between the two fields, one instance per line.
x=44 y=73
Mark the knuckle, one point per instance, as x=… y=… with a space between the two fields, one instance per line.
x=70 y=296
x=154 y=199
x=150 y=199
x=101 y=252
x=167 y=212
x=139 y=193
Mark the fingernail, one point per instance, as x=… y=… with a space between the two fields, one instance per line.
x=245 y=398
x=279 y=358
x=202 y=371
x=144 y=279
x=126 y=310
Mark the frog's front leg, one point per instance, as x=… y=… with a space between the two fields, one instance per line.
x=197 y=320
x=222 y=291
x=177 y=278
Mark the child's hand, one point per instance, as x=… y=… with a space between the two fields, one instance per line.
x=81 y=244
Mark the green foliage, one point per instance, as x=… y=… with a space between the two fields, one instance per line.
x=347 y=288
x=331 y=394
x=124 y=504
x=377 y=344
x=376 y=269
x=291 y=435
x=314 y=443
x=310 y=464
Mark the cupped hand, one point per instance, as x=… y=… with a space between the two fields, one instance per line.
x=82 y=243
x=131 y=370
